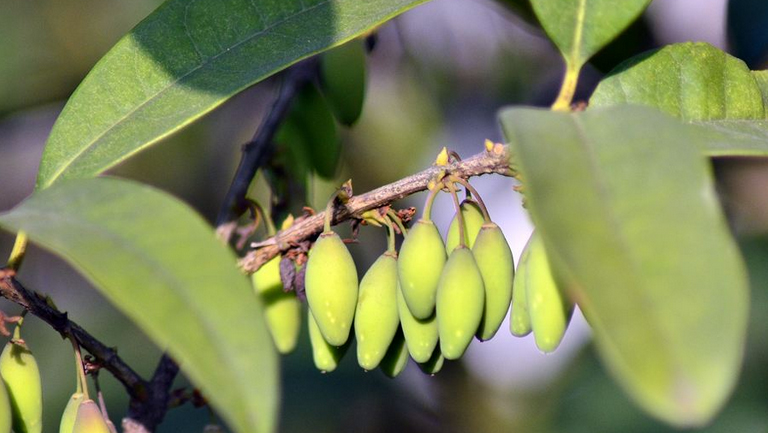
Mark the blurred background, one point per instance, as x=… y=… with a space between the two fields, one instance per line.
x=437 y=77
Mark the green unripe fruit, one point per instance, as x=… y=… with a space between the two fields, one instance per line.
x=18 y=369
x=325 y=356
x=473 y=220
x=5 y=409
x=420 y=334
x=434 y=364
x=376 y=318
x=396 y=359
x=331 y=287
x=89 y=419
x=282 y=309
x=548 y=307
x=460 y=303
x=494 y=259
x=520 y=318
x=70 y=413
x=342 y=76
x=314 y=119
x=422 y=257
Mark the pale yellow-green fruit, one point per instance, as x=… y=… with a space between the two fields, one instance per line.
x=434 y=364
x=89 y=419
x=420 y=334
x=282 y=309
x=494 y=259
x=396 y=359
x=5 y=409
x=19 y=370
x=331 y=287
x=325 y=356
x=376 y=318
x=520 y=318
x=421 y=261
x=460 y=303
x=70 y=413
x=342 y=76
x=473 y=220
x=547 y=305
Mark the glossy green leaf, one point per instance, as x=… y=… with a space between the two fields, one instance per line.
x=162 y=265
x=184 y=60
x=692 y=81
x=580 y=28
x=626 y=206
x=700 y=84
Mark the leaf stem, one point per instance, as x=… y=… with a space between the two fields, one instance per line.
x=391 y=237
x=329 y=212
x=392 y=214
x=567 y=88
x=431 y=200
x=17 y=253
x=82 y=382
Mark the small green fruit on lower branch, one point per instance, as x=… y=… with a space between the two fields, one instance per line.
x=19 y=370
x=376 y=318
x=282 y=309
x=494 y=259
x=434 y=364
x=70 y=413
x=520 y=318
x=5 y=409
x=473 y=220
x=325 y=356
x=396 y=358
x=89 y=419
x=460 y=302
x=422 y=257
x=331 y=287
x=420 y=334
x=548 y=307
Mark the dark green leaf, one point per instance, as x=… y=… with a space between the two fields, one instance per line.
x=580 y=28
x=625 y=203
x=184 y=60
x=162 y=265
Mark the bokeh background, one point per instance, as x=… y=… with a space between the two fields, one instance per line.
x=437 y=76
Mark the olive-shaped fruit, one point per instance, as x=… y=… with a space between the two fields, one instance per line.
x=70 y=413
x=313 y=116
x=420 y=334
x=519 y=317
x=494 y=259
x=434 y=364
x=19 y=370
x=376 y=318
x=89 y=419
x=331 y=287
x=325 y=356
x=342 y=74
x=460 y=302
x=473 y=220
x=548 y=307
x=422 y=257
x=5 y=409
x=396 y=359
x=282 y=309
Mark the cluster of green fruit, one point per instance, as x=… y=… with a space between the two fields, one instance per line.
x=429 y=301
x=21 y=397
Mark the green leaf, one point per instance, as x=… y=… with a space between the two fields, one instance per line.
x=183 y=61
x=580 y=28
x=162 y=265
x=692 y=81
x=761 y=78
x=626 y=206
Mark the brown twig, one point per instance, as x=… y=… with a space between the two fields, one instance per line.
x=494 y=161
